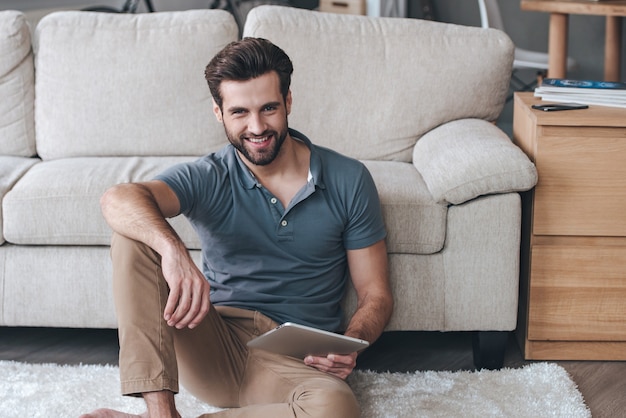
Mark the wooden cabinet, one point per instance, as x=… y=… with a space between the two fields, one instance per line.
x=354 y=7
x=573 y=265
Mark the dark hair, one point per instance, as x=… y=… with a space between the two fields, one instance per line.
x=247 y=59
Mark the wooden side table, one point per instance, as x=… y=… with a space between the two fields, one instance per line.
x=559 y=17
x=573 y=264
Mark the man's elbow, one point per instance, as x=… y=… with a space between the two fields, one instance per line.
x=112 y=198
x=106 y=200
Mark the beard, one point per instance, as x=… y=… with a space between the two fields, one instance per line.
x=258 y=157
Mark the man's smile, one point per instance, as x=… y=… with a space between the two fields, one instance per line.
x=259 y=140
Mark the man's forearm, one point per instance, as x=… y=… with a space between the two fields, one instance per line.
x=370 y=277
x=131 y=210
x=371 y=318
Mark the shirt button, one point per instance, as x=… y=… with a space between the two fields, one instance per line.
x=284 y=223
x=273 y=200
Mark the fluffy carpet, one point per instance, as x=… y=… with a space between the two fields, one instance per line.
x=537 y=390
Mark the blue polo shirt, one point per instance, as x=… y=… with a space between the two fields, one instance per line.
x=287 y=263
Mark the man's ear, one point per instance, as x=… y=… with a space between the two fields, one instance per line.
x=217 y=112
x=288 y=102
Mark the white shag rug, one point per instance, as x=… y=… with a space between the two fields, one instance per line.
x=536 y=390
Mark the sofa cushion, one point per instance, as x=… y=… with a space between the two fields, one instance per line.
x=464 y=159
x=124 y=85
x=11 y=169
x=17 y=86
x=415 y=223
x=58 y=202
x=370 y=87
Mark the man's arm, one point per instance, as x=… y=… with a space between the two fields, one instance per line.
x=370 y=277
x=139 y=211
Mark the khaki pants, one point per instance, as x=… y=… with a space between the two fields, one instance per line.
x=212 y=360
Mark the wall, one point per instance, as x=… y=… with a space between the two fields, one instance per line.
x=161 y=5
x=529 y=30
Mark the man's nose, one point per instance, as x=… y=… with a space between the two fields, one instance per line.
x=256 y=124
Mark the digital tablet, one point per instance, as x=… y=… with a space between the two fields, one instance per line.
x=300 y=341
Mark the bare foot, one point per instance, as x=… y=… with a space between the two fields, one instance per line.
x=111 y=413
x=160 y=405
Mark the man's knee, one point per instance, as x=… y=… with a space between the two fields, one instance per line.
x=124 y=249
x=132 y=259
x=325 y=398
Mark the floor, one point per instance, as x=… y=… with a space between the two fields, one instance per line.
x=603 y=384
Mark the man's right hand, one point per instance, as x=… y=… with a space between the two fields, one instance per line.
x=188 y=301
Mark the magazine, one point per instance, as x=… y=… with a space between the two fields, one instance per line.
x=590 y=92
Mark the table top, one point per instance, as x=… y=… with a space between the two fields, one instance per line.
x=593 y=116
x=581 y=7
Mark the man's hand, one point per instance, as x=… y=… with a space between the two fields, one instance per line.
x=337 y=365
x=188 y=301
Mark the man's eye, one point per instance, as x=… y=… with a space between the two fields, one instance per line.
x=269 y=108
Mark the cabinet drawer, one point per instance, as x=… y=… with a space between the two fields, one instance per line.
x=582 y=182
x=355 y=7
x=577 y=293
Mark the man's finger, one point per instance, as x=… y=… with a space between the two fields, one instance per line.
x=171 y=304
x=205 y=305
x=181 y=315
x=188 y=310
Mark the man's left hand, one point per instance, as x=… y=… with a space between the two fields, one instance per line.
x=335 y=364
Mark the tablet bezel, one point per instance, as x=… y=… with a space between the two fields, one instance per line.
x=299 y=341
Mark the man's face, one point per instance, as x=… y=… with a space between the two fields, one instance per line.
x=254 y=114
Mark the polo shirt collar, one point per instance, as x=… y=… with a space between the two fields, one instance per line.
x=315 y=165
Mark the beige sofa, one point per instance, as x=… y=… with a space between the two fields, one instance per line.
x=102 y=99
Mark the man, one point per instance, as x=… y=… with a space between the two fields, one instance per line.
x=282 y=222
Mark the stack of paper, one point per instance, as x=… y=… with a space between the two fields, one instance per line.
x=590 y=92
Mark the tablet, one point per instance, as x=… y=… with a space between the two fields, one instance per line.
x=300 y=341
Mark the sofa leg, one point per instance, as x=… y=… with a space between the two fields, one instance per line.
x=489 y=348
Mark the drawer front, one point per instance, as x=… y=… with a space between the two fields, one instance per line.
x=355 y=7
x=577 y=293
x=582 y=182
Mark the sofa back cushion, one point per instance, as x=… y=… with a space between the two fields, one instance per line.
x=17 y=86
x=370 y=87
x=127 y=85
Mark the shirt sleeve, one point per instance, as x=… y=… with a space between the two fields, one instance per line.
x=365 y=225
x=192 y=183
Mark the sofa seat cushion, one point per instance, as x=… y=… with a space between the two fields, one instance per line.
x=415 y=223
x=58 y=202
x=11 y=169
x=125 y=85
x=17 y=86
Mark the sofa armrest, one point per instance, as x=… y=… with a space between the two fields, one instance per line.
x=467 y=158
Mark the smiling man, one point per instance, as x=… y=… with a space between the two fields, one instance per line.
x=283 y=225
